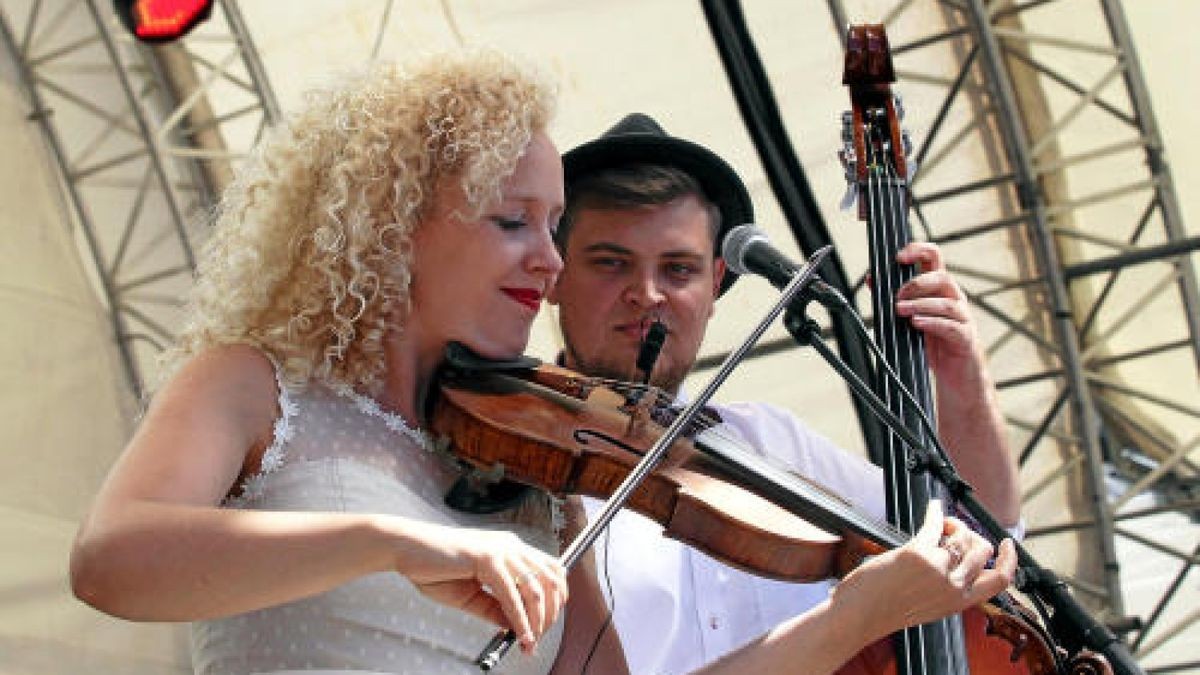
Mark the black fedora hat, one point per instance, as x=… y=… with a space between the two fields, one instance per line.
x=638 y=139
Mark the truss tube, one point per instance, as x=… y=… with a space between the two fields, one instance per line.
x=254 y=64
x=152 y=149
x=1164 y=186
x=174 y=73
x=1033 y=204
x=120 y=330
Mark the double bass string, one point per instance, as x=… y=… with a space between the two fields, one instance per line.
x=886 y=200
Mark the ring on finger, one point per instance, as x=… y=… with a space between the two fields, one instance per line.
x=955 y=551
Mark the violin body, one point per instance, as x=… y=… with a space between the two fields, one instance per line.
x=550 y=428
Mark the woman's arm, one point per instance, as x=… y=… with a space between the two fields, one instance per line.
x=156 y=546
x=940 y=572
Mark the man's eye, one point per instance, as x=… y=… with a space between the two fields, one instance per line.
x=681 y=269
x=608 y=263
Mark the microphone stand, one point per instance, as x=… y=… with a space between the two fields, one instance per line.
x=1070 y=622
x=504 y=639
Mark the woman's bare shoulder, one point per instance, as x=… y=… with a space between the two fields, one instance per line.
x=235 y=382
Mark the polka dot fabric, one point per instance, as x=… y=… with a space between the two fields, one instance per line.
x=332 y=452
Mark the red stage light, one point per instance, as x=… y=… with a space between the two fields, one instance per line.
x=162 y=20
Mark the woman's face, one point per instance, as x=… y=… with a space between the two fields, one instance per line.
x=482 y=282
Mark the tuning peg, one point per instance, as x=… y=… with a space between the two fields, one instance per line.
x=847 y=127
x=898 y=104
x=848 y=159
x=849 y=197
x=906 y=141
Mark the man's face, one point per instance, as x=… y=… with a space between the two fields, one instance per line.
x=628 y=267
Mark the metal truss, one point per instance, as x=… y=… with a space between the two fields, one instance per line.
x=143 y=138
x=1088 y=240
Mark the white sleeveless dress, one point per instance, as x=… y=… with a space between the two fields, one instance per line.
x=337 y=451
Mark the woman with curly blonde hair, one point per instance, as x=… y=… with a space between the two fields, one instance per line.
x=281 y=467
x=280 y=493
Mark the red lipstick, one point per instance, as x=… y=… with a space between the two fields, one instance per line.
x=529 y=297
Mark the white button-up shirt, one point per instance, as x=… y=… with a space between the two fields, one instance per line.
x=677 y=609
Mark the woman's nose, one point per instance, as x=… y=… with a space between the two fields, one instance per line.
x=545 y=258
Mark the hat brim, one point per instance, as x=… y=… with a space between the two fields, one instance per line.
x=720 y=182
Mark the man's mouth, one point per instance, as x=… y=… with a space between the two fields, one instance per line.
x=635 y=330
x=530 y=297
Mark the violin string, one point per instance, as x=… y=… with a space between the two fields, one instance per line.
x=917 y=357
x=898 y=495
x=912 y=347
x=821 y=496
x=659 y=397
x=928 y=432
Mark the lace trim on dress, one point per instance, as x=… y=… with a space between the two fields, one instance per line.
x=393 y=421
x=426 y=441
x=272 y=459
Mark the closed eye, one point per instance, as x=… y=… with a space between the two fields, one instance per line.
x=508 y=224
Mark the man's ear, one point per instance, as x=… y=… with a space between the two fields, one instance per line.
x=718 y=276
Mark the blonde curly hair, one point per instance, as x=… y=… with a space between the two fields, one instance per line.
x=311 y=252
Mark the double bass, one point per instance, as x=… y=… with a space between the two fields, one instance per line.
x=877 y=168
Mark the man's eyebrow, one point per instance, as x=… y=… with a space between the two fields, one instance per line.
x=691 y=255
x=610 y=247
x=606 y=247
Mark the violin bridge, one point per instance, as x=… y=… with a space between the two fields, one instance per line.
x=639 y=415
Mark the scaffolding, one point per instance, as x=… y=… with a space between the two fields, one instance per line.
x=1100 y=241
x=144 y=138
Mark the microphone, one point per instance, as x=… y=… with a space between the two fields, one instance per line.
x=747 y=250
x=651 y=347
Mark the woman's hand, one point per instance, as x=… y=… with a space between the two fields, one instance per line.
x=493 y=575
x=941 y=571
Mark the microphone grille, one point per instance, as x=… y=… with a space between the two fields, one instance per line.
x=737 y=243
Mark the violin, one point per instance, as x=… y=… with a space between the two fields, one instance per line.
x=565 y=433
x=568 y=434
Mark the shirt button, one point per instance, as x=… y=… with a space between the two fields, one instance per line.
x=714 y=622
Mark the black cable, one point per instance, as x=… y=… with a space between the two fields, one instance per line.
x=648 y=352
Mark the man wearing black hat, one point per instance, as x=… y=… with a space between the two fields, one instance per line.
x=645 y=215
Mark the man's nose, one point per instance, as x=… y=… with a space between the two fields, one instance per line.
x=644 y=291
